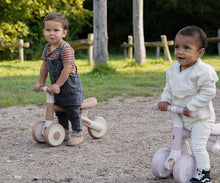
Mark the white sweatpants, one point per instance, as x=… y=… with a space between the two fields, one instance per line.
x=200 y=133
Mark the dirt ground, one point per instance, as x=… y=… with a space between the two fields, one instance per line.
x=123 y=155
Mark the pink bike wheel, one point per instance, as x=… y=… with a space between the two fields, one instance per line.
x=184 y=168
x=157 y=164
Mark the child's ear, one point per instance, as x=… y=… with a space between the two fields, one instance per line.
x=65 y=33
x=201 y=52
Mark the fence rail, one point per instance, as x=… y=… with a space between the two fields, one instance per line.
x=128 y=47
x=128 y=51
x=84 y=44
x=87 y=44
x=20 y=45
x=214 y=39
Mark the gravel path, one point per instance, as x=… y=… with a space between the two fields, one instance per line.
x=123 y=155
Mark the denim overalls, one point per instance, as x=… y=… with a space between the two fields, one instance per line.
x=71 y=93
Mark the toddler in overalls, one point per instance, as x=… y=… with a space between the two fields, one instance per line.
x=58 y=60
x=191 y=84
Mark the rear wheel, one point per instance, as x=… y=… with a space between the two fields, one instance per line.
x=37 y=132
x=98 y=134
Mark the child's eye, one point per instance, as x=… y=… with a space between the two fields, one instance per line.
x=176 y=47
x=186 y=47
x=56 y=30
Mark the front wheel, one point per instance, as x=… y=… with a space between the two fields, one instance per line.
x=54 y=134
x=184 y=168
x=157 y=164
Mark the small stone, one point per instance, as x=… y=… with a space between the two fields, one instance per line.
x=35 y=179
x=17 y=177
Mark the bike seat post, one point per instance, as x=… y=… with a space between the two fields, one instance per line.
x=176 y=144
x=49 y=106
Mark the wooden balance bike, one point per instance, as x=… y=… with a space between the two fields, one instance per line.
x=53 y=133
x=179 y=160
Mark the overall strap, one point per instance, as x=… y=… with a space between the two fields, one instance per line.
x=62 y=48
x=60 y=52
x=45 y=51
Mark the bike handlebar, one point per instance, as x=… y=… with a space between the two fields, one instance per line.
x=45 y=89
x=175 y=109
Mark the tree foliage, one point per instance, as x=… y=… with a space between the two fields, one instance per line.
x=163 y=17
x=23 y=19
x=168 y=17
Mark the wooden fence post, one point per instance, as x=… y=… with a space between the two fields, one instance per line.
x=21 y=50
x=125 y=51
x=157 y=52
x=130 y=48
x=219 y=42
x=166 y=48
x=90 y=49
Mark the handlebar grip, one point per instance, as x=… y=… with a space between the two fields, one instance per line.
x=176 y=109
x=43 y=88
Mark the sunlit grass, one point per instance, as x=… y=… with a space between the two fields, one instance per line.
x=121 y=78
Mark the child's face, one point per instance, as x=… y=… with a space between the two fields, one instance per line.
x=187 y=50
x=54 y=32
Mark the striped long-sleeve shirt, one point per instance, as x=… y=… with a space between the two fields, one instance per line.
x=68 y=56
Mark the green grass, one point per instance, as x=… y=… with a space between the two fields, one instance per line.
x=121 y=78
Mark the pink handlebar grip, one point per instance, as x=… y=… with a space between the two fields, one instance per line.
x=175 y=109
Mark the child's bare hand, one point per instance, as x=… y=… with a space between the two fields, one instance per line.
x=37 y=86
x=186 y=112
x=162 y=105
x=54 y=89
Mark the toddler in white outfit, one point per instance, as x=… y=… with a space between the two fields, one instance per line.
x=191 y=84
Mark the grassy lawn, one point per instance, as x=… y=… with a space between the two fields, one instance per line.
x=121 y=78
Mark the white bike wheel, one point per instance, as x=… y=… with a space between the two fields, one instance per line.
x=37 y=132
x=184 y=168
x=157 y=164
x=98 y=134
x=54 y=134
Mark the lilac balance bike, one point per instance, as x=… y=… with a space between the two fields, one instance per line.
x=179 y=160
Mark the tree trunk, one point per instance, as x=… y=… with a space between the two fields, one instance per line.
x=100 y=32
x=138 y=31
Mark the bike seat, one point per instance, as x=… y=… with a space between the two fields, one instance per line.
x=89 y=103
x=216 y=129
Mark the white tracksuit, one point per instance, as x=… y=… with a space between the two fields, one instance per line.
x=194 y=88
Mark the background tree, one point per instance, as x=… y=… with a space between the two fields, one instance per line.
x=160 y=17
x=100 y=32
x=23 y=19
x=138 y=32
